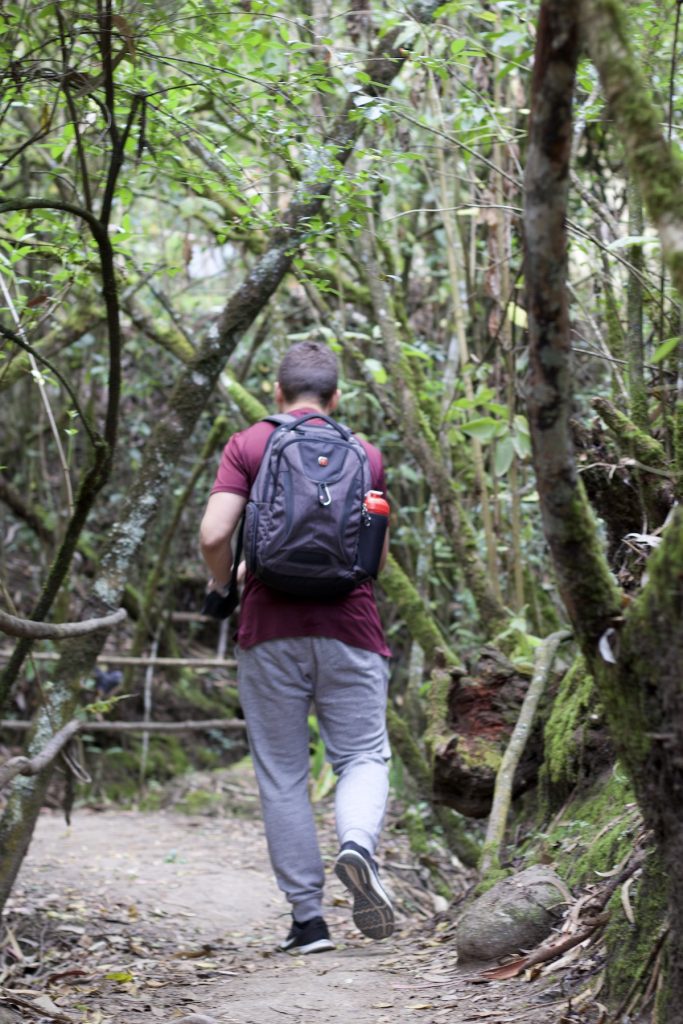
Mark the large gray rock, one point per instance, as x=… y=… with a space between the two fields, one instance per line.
x=514 y=915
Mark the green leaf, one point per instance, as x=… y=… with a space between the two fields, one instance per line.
x=374 y=113
x=484 y=429
x=503 y=456
x=633 y=240
x=665 y=349
x=522 y=445
x=517 y=315
x=121 y=976
x=378 y=372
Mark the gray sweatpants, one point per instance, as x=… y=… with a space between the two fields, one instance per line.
x=278 y=681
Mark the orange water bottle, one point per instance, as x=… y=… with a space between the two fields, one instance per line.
x=373 y=529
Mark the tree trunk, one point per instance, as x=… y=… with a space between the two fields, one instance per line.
x=635 y=654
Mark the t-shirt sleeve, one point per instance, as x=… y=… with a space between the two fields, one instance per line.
x=376 y=466
x=233 y=471
x=379 y=482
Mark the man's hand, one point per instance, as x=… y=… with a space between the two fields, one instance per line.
x=219 y=604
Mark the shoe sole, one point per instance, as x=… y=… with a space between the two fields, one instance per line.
x=319 y=946
x=373 y=914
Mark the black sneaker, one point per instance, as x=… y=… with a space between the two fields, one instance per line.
x=308 y=937
x=372 y=910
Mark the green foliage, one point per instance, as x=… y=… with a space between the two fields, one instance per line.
x=518 y=643
x=216 y=114
x=322 y=777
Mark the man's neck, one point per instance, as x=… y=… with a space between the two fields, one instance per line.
x=304 y=403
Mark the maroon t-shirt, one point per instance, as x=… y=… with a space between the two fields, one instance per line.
x=267 y=614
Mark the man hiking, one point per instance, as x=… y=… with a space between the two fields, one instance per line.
x=297 y=649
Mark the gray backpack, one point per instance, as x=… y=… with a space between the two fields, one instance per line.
x=303 y=519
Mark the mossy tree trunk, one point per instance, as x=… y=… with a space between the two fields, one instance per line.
x=635 y=654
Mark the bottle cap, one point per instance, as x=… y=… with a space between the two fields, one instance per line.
x=375 y=502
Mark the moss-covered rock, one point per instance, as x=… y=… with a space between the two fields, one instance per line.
x=515 y=914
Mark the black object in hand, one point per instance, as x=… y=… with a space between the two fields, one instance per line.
x=220 y=606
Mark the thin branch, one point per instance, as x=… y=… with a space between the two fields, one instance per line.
x=33 y=766
x=125 y=659
x=29 y=629
x=191 y=725
x=87 y=197
x=109 y=292
x=452 y=209
x=460 y=145
x=13 y=999
x=502 y=794
x=117 y=159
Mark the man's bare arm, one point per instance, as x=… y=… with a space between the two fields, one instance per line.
x=218 y=525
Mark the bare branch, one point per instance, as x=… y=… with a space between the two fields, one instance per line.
x=32 y=766
x=35 y=765
x=502 y=795
x=191 y=725
x=125 y=659
x=29 y=629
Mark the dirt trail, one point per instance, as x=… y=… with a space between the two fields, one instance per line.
x=165 y=916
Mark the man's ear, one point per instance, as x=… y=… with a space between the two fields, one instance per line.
x=334 y=401
x=279 y=397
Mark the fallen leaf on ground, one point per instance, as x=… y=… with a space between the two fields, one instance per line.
x=504 y=971
x=120 y=976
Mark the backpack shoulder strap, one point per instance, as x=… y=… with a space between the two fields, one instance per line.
x=279 y=419
x=286 y=419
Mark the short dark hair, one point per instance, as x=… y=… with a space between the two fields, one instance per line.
x=309 y=368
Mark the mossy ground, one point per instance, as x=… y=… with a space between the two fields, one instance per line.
x=630 y=945
x=117 y=770
x=593 y=832
x=591 y=836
